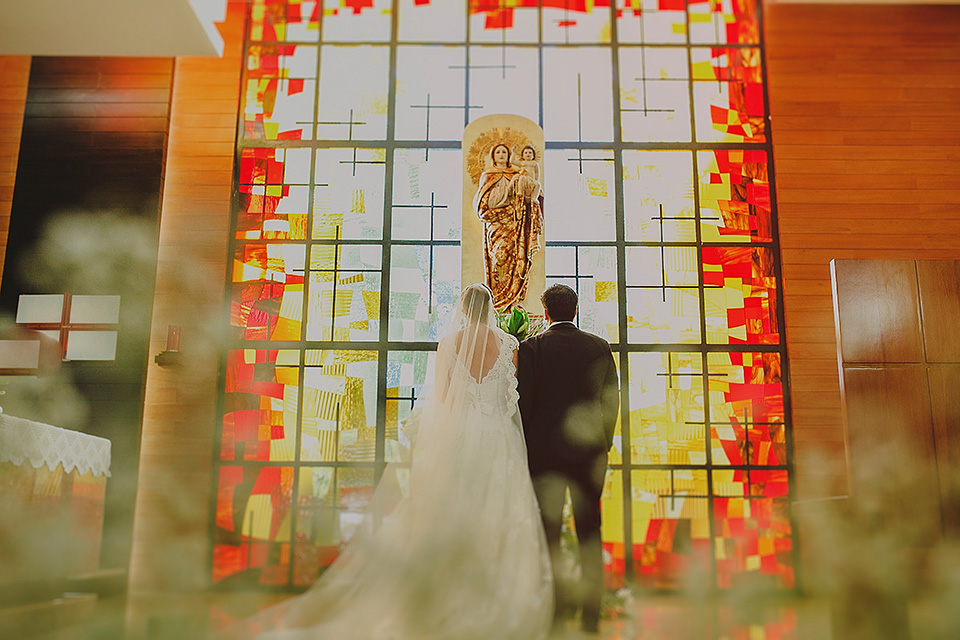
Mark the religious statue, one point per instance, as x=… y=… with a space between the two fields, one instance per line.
x=509 y=203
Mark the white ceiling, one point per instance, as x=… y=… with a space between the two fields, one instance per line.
x=154 y=27
x=111 y=27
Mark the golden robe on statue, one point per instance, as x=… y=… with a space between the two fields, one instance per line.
x=509 y=204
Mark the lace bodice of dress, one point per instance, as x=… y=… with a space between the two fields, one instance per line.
x=496 y=392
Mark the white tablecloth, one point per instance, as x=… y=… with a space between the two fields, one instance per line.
x=44 y=445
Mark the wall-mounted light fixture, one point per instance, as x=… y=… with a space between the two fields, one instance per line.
x=170 y=356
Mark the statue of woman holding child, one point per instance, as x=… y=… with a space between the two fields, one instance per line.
x=509 y=203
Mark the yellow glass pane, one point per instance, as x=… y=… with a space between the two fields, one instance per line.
x=666 y=408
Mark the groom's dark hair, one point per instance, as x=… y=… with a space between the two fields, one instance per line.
x=560 y=301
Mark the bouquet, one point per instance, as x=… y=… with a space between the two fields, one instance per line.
x=520 y=324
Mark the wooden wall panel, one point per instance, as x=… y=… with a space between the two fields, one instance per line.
x=866 y=139
x=172 y=529
x=90 y=144
x=14 y=76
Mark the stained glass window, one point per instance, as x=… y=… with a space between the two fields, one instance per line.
x=659 y=212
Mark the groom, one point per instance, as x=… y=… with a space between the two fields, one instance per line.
x=569 y=400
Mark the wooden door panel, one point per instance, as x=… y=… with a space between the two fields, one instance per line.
x=893 y=465
x=877 y=307
x=939 y=284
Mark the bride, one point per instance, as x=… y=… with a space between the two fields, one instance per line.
x=463 y=555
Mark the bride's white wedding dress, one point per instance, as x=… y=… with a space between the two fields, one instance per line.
x=464 y=555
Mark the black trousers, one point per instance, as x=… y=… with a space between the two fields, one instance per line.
x=586 y=485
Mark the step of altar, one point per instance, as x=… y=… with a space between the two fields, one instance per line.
x=103 y=582
x=45 y=619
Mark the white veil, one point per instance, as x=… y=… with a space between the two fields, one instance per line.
x=468 y=347
x=440 y=563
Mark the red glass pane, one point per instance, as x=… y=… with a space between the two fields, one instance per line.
x=713 y=21
x=260 y=406
x=267 y=294
x=754 y=538
x=740 y=292
x=728 y=94
x=280 y=20
x=734 y=192
x=252 y=525
x=745 y=388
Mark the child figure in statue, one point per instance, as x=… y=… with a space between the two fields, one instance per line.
x=528 y=163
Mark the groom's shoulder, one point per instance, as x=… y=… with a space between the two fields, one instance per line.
x=530 y=340
x=563 y=334
x=587 y=335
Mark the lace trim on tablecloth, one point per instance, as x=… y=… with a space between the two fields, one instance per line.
x=45 y=445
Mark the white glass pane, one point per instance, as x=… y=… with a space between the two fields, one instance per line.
x=578 y=195
x=344 y=293
x=95 y=309
x=577 y=94
x=650 y=23
x=91 y=345
x=301 y=25
x=296 y=165
x=569 y=24
x=592 y=273
x=347 y=21
x=666 y=266
x=432 y=21
x=40 y=309
x=292 y=204
x=353 y=92
x=504 y=80
x=407 y=373
x=431 y=89
x=427 y=194
x=561 y=262
x=267 y=262
x=348 y=199
x=663 y=302
x=19 y=354
x=658 y=196
x=424 y=287
x=663 y=317
x=654 y=94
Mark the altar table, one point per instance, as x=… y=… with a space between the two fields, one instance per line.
x=52 y=487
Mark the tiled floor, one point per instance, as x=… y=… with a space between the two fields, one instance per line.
x=650 y=618
x=655 y=617
x=675 y=618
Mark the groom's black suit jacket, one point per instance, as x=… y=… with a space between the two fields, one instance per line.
x=569 y=397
